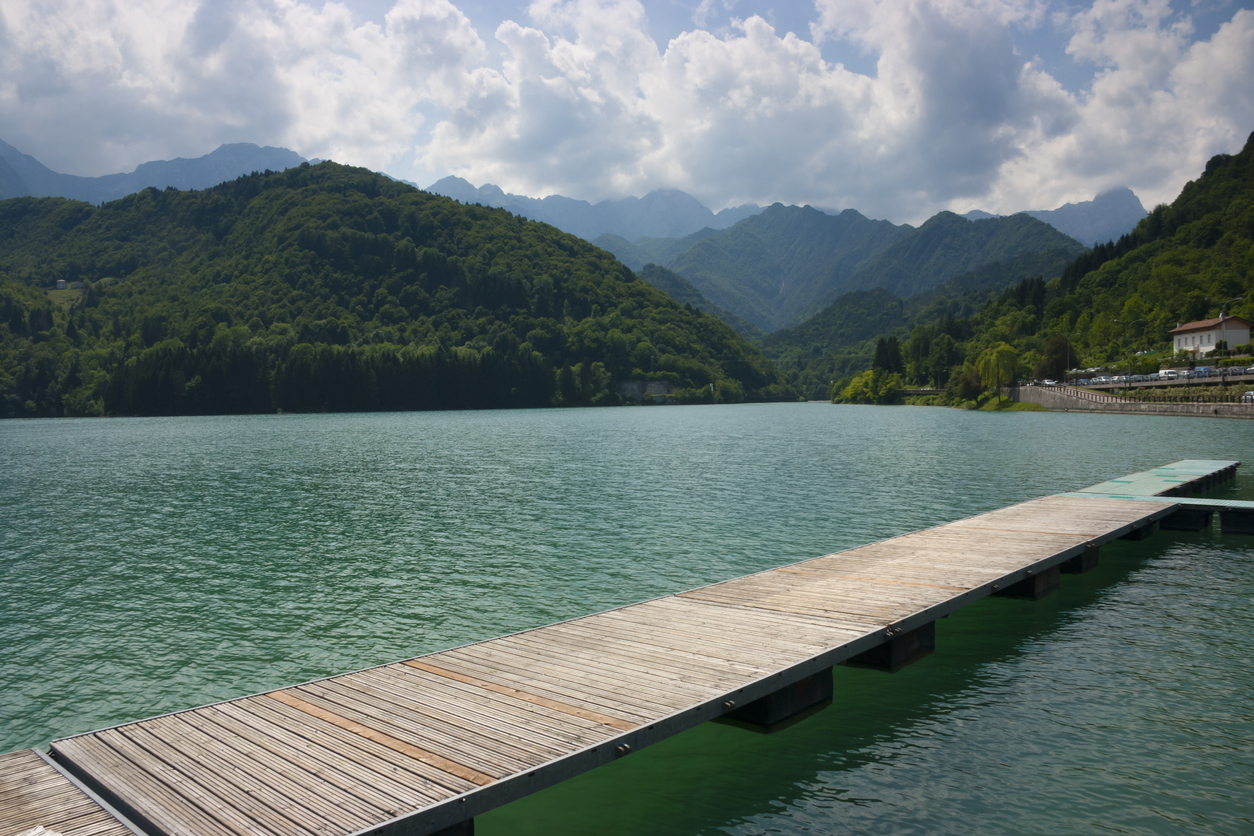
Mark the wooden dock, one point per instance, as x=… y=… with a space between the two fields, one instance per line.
x=424 y=745
x=34 y=794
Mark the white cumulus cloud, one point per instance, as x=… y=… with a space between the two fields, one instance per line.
x=576 y=97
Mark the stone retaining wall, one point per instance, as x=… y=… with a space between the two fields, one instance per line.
x=1061 y=402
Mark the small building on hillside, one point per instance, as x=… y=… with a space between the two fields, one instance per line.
x=1200 y=337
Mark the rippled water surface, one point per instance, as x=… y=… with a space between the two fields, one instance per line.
x=156 y=564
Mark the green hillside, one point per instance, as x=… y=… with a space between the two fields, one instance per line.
x=1181 y=263
x=1112 y=305
x=776 y=267
x=829 y=344
x=841 y=339
x=332 y=288
x=998 y=275
x=628 y=253
x=684 y=292
x=785 y=264
x=948 y=245
x=645 y=250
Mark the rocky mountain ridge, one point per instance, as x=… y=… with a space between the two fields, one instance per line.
x=22 y=175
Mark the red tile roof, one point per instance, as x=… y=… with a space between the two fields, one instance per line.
x=1207 y=324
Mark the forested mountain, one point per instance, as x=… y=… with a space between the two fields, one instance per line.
x=22 y=174
x=948 y=245
x=1107 y=217
x=829 y=344
x=1182 y=262
x=686 y=293
x=776 y=267
x=332 y=288
x=665 y=213
x=999 y=275
x=646 y=250
x=840 y=339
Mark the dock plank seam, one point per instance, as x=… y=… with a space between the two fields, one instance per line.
x=505 y=690
x=430 y=758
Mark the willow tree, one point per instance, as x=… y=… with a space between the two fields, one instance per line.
x=997 y=366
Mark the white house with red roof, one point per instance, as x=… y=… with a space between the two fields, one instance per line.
x=1200 y=337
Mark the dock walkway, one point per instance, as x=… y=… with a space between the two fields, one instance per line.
x=426 y=744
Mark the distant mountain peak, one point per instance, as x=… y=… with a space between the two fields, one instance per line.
x=662 y=213
x=1119 y=191
x=1109 y=215
x=226 y=162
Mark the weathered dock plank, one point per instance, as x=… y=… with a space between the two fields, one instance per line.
x=34 y=794
x=415 y=746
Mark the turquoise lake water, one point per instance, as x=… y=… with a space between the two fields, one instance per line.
x=150 y=565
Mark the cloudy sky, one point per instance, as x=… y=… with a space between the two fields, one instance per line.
x=898 y=108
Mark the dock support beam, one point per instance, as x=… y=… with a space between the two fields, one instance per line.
x=465 y=828
x=1140 y=533
x=1236 y=522
x=1186 y=519
x=1036 y=586
x=785 y=707
x=899 y=651
x=1080 y=564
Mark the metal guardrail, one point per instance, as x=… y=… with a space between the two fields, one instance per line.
x=1085 y=394
x=1141 y=396
x=1082 y=394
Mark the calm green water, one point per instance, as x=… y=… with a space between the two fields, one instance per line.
x=156 y=564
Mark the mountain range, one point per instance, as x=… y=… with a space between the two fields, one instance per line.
x=785 y=264
x=764 y=269
x=670 y=214
x=22 y=175
x=1104 y=218
x=758 y=269
x=665 y=213
x=325 y=287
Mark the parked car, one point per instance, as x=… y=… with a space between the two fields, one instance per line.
x=1168 y=374
x=1248 y=397
x=1152 y=376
